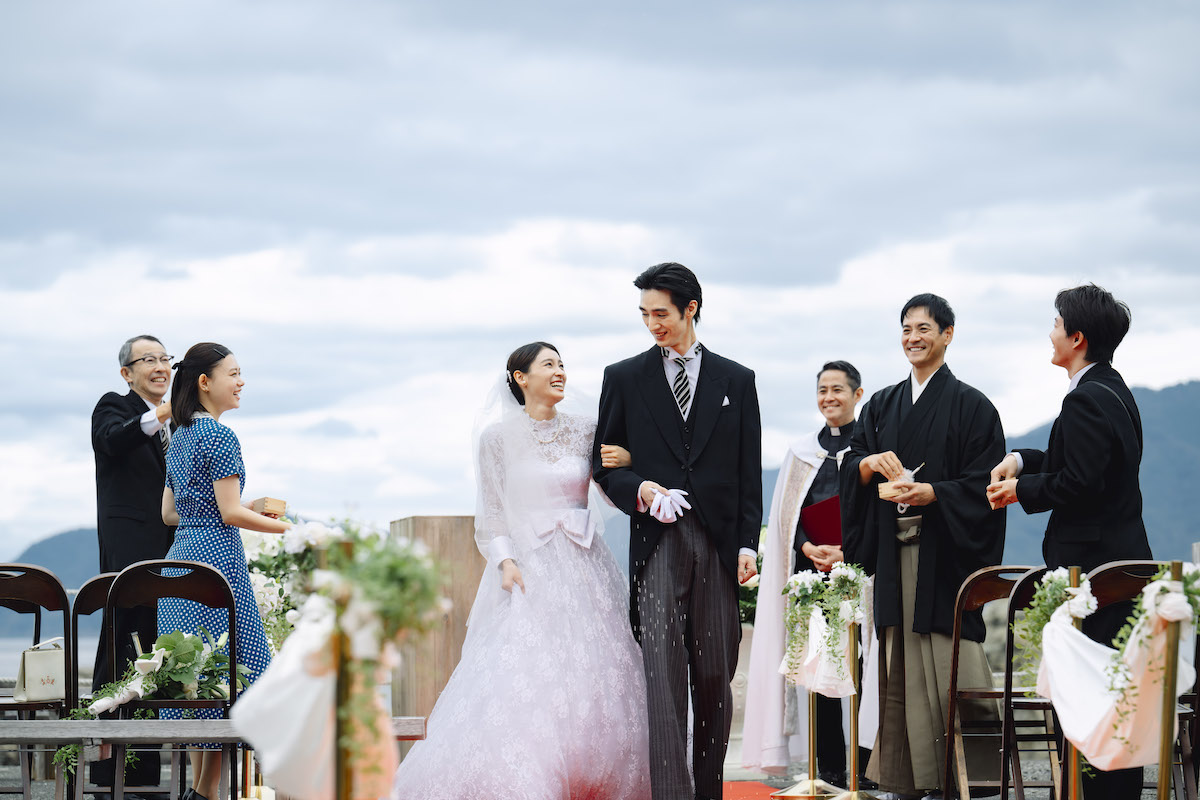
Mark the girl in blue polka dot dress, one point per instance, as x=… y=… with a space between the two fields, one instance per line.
x=203 y=496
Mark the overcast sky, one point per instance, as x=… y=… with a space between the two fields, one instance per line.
x=372 y=203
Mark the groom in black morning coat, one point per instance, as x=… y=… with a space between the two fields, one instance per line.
x=690 y=420
x=1087 y=477
x=129 y=441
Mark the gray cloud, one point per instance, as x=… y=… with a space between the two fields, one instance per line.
x=994 y=151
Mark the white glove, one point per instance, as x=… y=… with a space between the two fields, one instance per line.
x=669 y=506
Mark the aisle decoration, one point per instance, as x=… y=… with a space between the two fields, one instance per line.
x=315 y=717
x=818 y=618
x=1108 y=700
x=281 y=568
x=182 y=666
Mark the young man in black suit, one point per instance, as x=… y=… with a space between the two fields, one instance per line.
x=129 y=437
x=1087 y=477
x=690 y=421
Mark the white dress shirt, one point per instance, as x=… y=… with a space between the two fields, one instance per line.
x=150 y=423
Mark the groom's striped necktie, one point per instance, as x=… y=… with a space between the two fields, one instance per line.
x=679 y=386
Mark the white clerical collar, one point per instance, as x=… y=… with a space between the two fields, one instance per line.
x=1075 y=378
x=918 y=388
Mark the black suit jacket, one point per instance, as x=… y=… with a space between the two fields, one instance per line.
x=130 y=473
x=1088 y=476
x=721 y=467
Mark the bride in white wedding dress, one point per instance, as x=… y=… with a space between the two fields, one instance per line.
x=548 y=700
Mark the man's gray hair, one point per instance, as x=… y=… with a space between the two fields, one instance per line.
x=127 y=348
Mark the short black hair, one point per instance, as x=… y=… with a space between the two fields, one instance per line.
x=676 y=280
x=844 y=366
x=520 y=360
x=1101 y=318
x=937 y=307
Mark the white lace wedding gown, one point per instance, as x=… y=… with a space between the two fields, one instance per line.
x=548 y=700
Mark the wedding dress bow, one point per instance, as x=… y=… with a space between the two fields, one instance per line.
x=669 y=507
x=575 y=523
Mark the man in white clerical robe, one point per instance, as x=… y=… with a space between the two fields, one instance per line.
x=776 y=721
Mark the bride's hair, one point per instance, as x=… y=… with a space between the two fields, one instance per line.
x=520 y=360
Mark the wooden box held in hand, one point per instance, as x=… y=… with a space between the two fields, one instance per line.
x=888 y=490
x=269 y=505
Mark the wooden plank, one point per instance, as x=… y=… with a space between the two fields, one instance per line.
x=150 y=731
x=429 y=660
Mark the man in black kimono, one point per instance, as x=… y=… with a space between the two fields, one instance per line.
x=937 y=438
x=1088 y=475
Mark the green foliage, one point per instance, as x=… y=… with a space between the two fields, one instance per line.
x=396 y=578
x=1051 y=592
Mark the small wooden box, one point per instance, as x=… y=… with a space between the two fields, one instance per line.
x=888 y=490
x=269 y=505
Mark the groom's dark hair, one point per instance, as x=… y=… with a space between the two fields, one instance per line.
x=676 y=280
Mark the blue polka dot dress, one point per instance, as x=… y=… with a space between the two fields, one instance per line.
x=201 y=453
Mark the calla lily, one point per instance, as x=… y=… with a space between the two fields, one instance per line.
x=145 y=665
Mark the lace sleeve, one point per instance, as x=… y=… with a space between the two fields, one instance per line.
x=491 y=529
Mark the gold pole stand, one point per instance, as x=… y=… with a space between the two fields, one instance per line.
x=1074 y=760
x=811 y=787
x=853 y=792
x=1166 y=752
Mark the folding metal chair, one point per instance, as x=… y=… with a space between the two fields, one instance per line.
x=1037 y=712
x=29 y=589
x=144 y=584
x=980 y=588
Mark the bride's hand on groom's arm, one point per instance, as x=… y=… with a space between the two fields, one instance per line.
x=510 y=574
x=613 y=456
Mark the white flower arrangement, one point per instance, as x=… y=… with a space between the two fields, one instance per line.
x=839 y=598
x=1081 y=603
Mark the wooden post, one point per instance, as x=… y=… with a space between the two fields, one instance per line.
x=1166 y=752
x=427 y=661
x=1074 y=760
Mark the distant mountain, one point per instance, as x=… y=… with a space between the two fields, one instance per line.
x=74 y=556
x=1170 y=473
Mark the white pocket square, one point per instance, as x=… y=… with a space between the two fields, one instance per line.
x=725 y=402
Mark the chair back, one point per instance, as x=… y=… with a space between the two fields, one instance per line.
x=89 y=599
x=147 y=582
x=26 y=588
x=1121 y=580
x=982 y=587
x=1019 y=600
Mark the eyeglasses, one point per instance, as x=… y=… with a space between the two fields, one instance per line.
x=151 y=361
